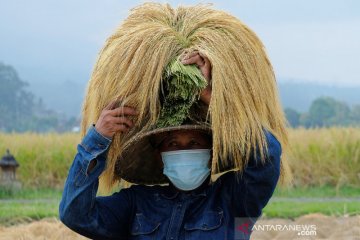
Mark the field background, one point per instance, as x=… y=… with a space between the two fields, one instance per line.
x=317 y=157
x=325 y=165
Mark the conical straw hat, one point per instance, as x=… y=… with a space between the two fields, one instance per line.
x=138 y=162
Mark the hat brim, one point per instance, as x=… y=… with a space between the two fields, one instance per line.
x=138 y=162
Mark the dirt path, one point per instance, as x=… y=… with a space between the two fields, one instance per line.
x=347 y=228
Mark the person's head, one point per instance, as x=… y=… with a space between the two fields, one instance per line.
x=186 y=157
x=185 y=139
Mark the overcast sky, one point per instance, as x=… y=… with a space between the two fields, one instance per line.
x=309 y=41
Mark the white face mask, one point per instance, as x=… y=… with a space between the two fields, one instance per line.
x=186 y=169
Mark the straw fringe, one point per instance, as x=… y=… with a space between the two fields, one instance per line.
x=244 y=98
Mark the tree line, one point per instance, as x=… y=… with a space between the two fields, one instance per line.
x=21 y=110
x=325 y=112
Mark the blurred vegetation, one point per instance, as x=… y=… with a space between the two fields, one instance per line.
x=31 y=204
x=44 y=158
x=326 y=191
x=325 y=112
x=325 y=156
x=291 y=209
x=317 y=157
x=301 y=200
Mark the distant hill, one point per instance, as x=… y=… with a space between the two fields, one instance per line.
x=300 y=95
x=66 y=97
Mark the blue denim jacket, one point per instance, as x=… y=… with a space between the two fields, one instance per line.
x=162 y=212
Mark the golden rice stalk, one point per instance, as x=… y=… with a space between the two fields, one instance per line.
x=244 y=94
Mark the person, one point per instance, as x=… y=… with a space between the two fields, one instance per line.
x=191 y=206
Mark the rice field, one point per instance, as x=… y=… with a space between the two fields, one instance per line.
x=317 y=157
x=44 y=158
x=327 y=156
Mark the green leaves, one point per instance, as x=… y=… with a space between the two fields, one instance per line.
x=182 y=86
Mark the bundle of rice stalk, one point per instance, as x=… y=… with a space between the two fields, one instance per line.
x=132 y=65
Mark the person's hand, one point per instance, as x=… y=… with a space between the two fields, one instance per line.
x=113 y=120
x=204 y=65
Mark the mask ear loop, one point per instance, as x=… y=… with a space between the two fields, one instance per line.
x=212 y=165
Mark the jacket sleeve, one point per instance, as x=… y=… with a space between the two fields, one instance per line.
x=80 y=209
x=251 y=190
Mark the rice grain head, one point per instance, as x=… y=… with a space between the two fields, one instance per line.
x=130 y=68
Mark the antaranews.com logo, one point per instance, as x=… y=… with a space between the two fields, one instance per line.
x=244 y=227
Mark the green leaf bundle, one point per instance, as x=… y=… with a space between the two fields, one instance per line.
x=183 y=84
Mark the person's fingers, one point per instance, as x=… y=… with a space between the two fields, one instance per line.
x=123 y=120
x=111 y=105
x=123 y=111
x=187 y=55
x=201 y=61
x=121 y=128
x=196 y=59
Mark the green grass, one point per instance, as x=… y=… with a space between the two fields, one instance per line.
x=28 y=204
x=290 y=209
x=29 y=193
x=34 y=204
x=328 y=200
x=15 y=212
x=323 y=191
